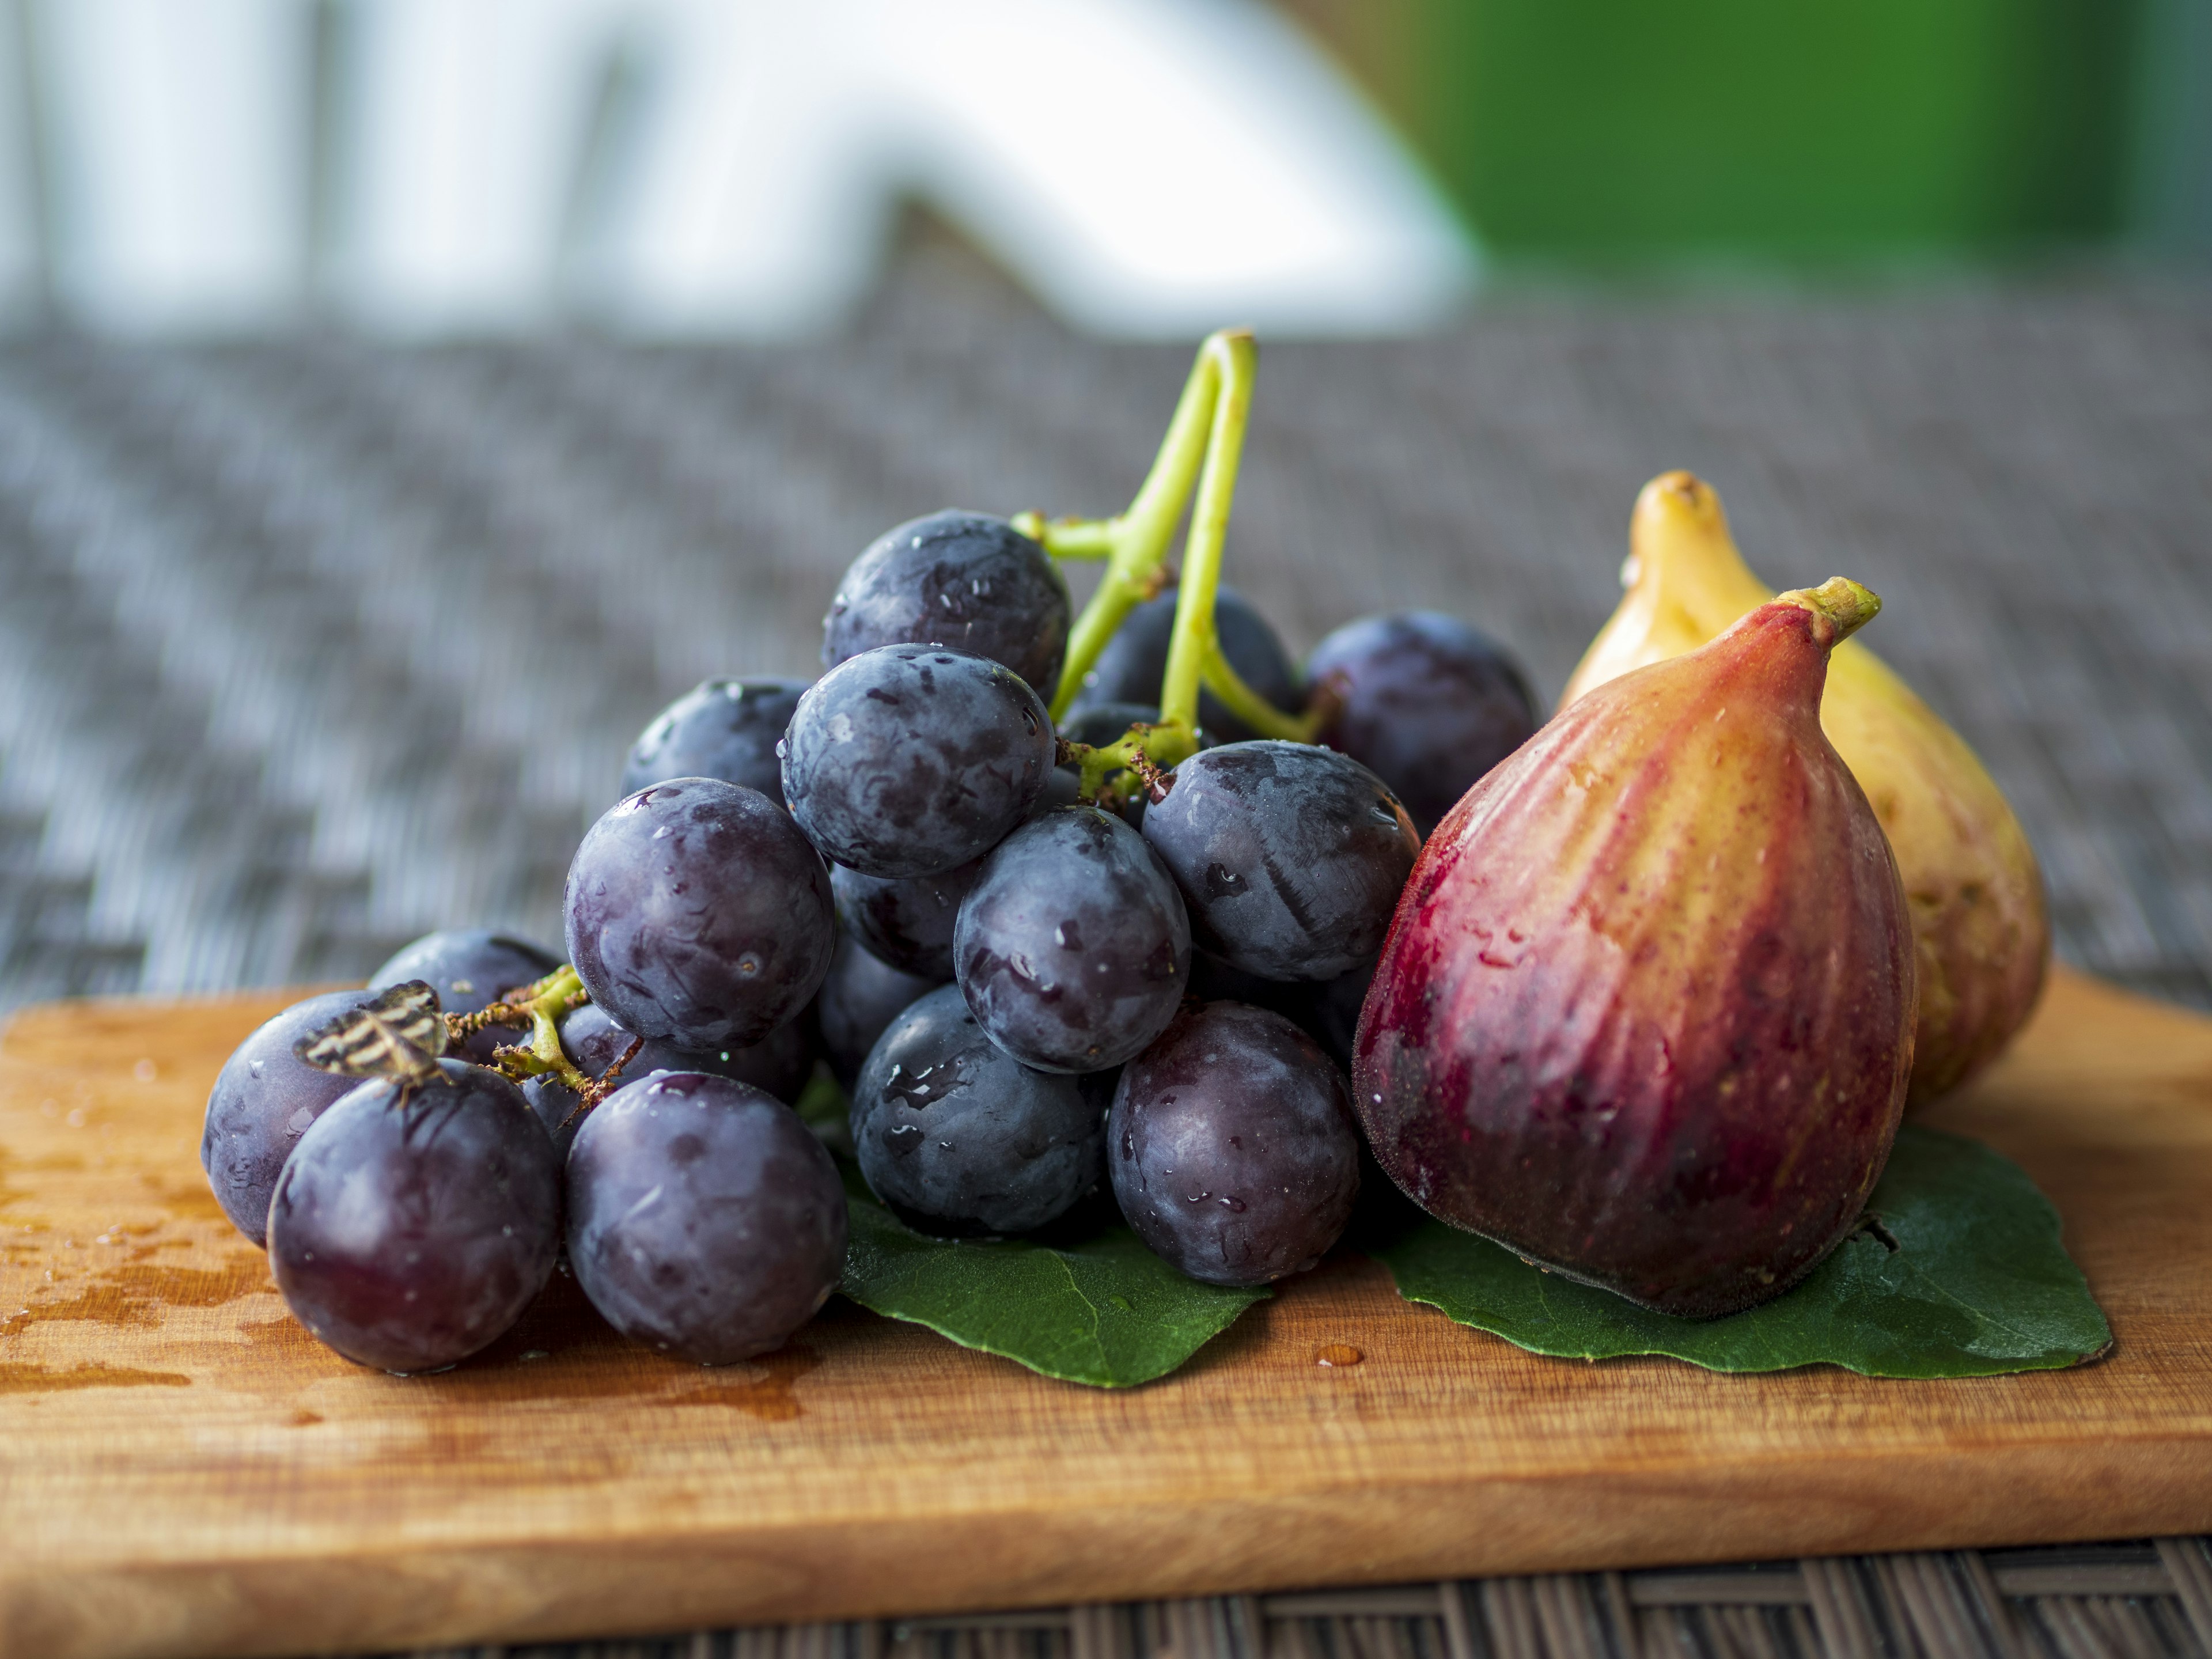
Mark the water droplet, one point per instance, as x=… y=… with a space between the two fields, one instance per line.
x=1339 y=1354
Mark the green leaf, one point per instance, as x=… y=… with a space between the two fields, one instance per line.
x=1970 y=1281
x=1104 y=1310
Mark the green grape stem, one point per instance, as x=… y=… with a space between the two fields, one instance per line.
x=539 y=1006
x=1203 y=444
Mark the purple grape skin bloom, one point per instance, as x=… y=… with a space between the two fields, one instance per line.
x=471 y=969
x=862 y=995
x=964 y=579
x=1290 y=858
x=959 y=1137
x=910 y=759
x=726 y=729
x=1072 y=948
x=1231 y=1148
x=410 y=1228
x=906 y=921
x=1130 y=668
x=1426 y=702
x=705 y=1220
x=263 y=1101
x=779 y=1064
x=697 y=914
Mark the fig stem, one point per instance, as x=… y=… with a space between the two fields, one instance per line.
x=1839 y=605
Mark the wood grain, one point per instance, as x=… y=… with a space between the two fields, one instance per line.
x=183 y=1471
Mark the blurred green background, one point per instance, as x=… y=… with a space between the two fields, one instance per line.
x=1636 y=132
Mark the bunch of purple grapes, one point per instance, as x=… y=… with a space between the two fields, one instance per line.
x=894 y=872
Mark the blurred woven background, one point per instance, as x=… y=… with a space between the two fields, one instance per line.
x=309 y=644
x=308 y=647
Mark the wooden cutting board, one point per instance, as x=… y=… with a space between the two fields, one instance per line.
x=183 y=1471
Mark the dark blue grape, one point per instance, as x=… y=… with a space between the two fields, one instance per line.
x=909 y=760
x=1100 y=724
x=1327 y=1011
x=964 y=579
x=1063 y=788
x=1332 y=1016
x=704 y=1219
x=1425 y=702
x=1107 y=723
x=1231 y=1145
x=959 y=1138
x=410 y=1228
x=779 y=1064
x=1291 y=857
x=262 y=1101
x=469 y=968
x=726 y=729
x=861 y=996
x=697 y=914
x=905 y=920
x=1072 y=949
x=1129 y=670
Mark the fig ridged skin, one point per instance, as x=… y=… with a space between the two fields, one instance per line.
x=1981 y=924
x=1646 y=1012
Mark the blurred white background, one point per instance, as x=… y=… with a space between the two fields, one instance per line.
x=1146 y=169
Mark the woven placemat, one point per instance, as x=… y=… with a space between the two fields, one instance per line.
x=2147 y=1601
x=309 y=646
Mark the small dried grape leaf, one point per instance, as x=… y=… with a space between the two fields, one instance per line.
x=1101 y=1310
x=1956 y=1270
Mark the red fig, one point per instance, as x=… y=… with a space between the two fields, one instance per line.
x=1646 y=1012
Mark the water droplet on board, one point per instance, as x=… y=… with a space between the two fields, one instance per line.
x=1337 y=1355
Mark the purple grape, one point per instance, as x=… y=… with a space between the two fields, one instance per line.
x=910 y=759
x=262 y=1101
x=469 y=968
x=957 y=1137
x=704 y=1219
x=411 y=1227
x=1290 y=858
x=861 y=996
x=726 y=729
x=1232 y=1147
x=697 y=914
x=1332 y=1018
x=1427 y=703
x=779 y=1065
x=963 y=580
x=1072 y=949
x=1327 y=1011
x=1135 y=660
x=907 y=921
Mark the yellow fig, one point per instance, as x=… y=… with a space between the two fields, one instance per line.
x=1980 y=927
